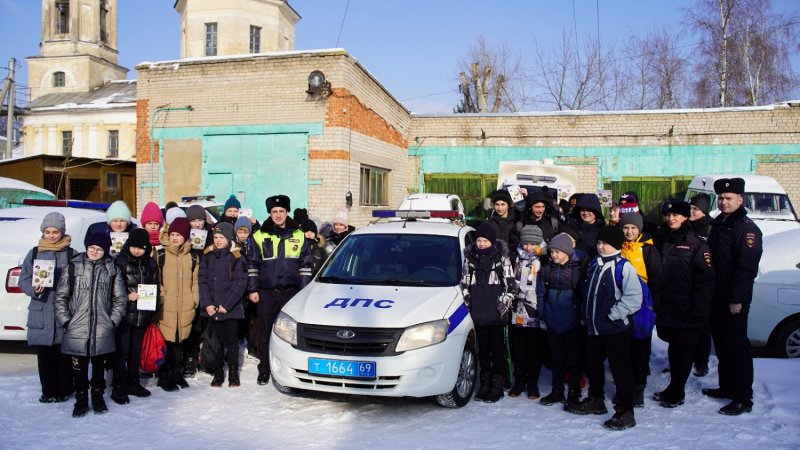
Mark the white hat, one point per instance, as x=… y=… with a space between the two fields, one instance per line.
x=342 y=216
x=173 y=213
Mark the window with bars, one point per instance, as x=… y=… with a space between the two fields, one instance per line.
x=211 y=39
x=113 y=143
x=66 y=143
x=255 y=39
x=59 y=80
x=374 y=186
x=62 y=16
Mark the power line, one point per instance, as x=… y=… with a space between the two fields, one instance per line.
x=344 y=16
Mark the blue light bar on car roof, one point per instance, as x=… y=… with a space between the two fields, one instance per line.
x=67 y=203
x=195 y=198
x=408 y=214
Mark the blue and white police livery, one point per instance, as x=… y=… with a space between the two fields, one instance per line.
x=383 y=317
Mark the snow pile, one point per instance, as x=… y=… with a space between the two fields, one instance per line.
x=259 y=417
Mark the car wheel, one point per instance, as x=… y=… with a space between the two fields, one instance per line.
x=787 y=341
x=465 y=383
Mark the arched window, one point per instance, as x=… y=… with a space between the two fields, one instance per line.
x=58 y=79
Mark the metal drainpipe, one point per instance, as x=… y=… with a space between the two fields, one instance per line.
x=152 y=150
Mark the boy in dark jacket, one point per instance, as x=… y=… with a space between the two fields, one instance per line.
x=558 y=290
x=316 y=244
x=90 y=304
x=488 y=285
x=247 y=247
x=605 y=311
x=223 y=281
x=136 y=266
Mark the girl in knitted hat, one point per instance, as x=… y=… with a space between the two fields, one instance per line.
x=527 y=339
x=488 y=287
x=341 y=228
x=152 y=220
x=53 y=251
x=118 y=221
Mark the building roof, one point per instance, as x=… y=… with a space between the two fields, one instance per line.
x=113 y=94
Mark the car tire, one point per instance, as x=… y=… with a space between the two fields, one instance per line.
x=465 y=382
x=787 y=340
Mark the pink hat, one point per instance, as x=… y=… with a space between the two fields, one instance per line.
x=151 y=213
x=342 y=216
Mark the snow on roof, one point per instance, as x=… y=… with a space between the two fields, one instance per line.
x=11 y=183
x=113 y=94
x=175 y=64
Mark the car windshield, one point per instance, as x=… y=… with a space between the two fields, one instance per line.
x=768 y=204
x=395 y=260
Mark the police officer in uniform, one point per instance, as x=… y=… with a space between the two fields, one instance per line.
x=735 y=243
x=283 y=269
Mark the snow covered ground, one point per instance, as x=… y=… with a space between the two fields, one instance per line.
x=259 y=417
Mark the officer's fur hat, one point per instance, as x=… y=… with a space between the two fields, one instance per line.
x=278 y=201
x=735 y=185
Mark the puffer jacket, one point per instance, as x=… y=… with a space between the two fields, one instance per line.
x=90 y=306
x=558 y=288
x=179 y=291
x=508 y=230
x=42 y=328
x=252 y=257
x=488 y=285
x=605 y=307
x=136 y=271
x=689 y=280
x=223 y=281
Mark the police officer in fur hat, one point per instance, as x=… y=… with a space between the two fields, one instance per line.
x=735 y=243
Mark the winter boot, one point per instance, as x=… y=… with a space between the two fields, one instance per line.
x=233 y=376
x=574 y=397
x=263 y=378
x=622 y=419
x=517 y=389
x=166 y=382
x=532 y=388
x=189 y=367
x=180 y=381
x=81 y=404
x=638 y=396
x=495 y=388
x=483 y=389
x=589 y=405
x=120 y=395
x=137 y=390
x=219 y=378
x=98 y=403
x=556 y=396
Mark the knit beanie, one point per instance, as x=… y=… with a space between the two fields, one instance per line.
x=55 y=220
x=628 y=202
x=225 y=229
x=531 y=234
x=181 y=226
x=243 y=222
x=232 y=202
x=195 y=212
x=702 y=202
x=300 y=214
x=342 y=216
x=140 y=238
x=612 y=236
x=632 y=218
x=561 y=242
x=151 y=213
x=503 y=196
x=118 y=210
x=487 y=231
x=102 y=240
x=173 y=213
x=308 y=225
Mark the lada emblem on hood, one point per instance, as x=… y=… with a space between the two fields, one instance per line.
x=346 y=334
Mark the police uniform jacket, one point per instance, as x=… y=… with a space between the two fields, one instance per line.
x=735 y=243
x=285 y=257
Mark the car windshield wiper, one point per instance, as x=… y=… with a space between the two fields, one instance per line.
x=332 y=279
x=398 y=282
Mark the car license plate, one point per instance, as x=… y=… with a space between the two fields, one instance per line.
x=339 y=368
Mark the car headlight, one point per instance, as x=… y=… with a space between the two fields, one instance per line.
x=423 y=335
x=285 y=328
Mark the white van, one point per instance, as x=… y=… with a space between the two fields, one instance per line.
x=384 y=316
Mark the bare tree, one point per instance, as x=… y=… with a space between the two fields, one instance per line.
x=571 y=80
x=711 y=19
x=491 y=79
x=656 y=71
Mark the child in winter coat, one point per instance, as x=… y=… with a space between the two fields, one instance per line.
x=118 y=220
x=558 y=289
x=527 y=338
x=248 y=248
x=90 y=304
x=488 y=287
x=178 y=300
x=605 y=310
x=152 y=220
x=316 y=244
x=196 y=215
x=136 y=266
x=223 y=282
x=55 y=369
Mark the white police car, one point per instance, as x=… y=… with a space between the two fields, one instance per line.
x=384 y=316
x=19 y=228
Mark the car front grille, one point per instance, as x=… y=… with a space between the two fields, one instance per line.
x=364 y=341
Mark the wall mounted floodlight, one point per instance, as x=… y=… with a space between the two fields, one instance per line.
x=318 y=85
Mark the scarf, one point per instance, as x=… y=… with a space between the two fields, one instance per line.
x=154 y=235
x=45 y=246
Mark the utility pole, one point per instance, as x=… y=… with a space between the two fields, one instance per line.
x=9 y=87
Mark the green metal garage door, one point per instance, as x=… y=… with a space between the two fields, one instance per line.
x=652 y=191
x=257 y=165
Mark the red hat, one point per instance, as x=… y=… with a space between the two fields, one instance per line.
x=151 y=213
x=181 y=226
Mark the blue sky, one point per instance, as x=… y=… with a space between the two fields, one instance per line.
x=412 y=47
